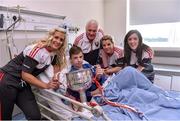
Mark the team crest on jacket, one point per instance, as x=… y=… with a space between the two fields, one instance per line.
x=97 y=44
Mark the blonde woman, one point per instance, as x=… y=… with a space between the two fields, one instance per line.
x=20 y=72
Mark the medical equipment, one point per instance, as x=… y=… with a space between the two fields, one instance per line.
x=20 y=27
x=11 y=28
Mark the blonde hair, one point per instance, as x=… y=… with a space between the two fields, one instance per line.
x=107 y=37
x=61 y=55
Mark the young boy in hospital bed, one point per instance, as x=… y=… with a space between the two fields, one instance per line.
x=76 y=58
x=53 y=72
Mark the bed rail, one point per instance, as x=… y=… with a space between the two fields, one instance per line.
x=96 y=111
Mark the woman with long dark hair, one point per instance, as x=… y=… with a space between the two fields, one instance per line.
x=138 y=54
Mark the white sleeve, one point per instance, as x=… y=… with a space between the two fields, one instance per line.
x=62 y=78
x=47 y=75
x=38 y=54
x=148 y=54
x=49 y=72
x=43 y=77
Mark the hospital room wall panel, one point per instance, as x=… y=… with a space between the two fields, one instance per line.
x=21 y=40
x=166 y=60
x=176 y=83
x=163 y=81
x=77 y=12
x=3 y=53
x=115 y=19
x=167 y=56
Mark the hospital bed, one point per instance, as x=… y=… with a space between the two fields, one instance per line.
x=55 y=100
x=96 y=111
x=152 y=101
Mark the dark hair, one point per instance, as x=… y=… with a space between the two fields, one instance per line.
x=139 y=50
x=104 y=38
x=74 y=50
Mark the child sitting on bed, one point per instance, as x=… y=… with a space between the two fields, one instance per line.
x=76 y=58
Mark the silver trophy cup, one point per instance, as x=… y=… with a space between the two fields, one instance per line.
x=80 y=80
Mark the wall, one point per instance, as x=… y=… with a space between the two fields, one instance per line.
x=21 y=39
x=115 y=19
x=169 y=56
x=167 y=82
x=78 y=12
x=111 y=14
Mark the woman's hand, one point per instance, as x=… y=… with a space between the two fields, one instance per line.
x=140 y=68
x=106 y=71
x=99 y=71
x=110 y=71
x=53 y=84
x=104 y=58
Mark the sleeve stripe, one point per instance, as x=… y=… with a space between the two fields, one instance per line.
x=101 y=31
x=118 y=51
x=34 y=52
x=1 y=75
x=76 y=42
x=34 y=49
x=150 y=52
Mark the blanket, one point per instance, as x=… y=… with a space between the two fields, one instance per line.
x=132 y=88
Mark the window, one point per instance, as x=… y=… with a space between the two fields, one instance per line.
x=157 y=20
x=160 y=35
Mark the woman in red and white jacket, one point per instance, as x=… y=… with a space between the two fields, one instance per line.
x=110 y=56
x=17 y=75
